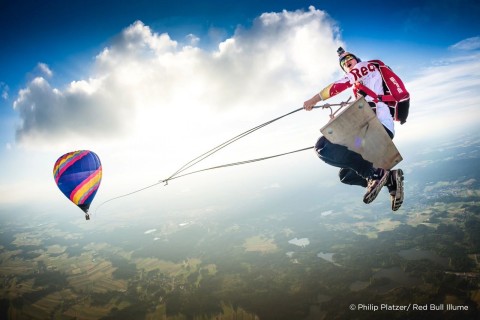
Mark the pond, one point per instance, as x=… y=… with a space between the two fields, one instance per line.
x=303 y=242
x=326 y=256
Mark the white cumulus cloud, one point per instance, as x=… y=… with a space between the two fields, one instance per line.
x=144 y=80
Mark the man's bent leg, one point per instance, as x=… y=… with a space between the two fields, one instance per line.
x=339 y=156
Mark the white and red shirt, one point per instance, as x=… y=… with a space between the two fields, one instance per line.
x=367 y=74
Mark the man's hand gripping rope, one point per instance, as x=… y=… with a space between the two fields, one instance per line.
x=330 y=105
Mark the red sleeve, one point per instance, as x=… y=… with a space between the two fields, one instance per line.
x=335 y=88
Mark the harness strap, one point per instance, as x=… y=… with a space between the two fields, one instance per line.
x=376 y=98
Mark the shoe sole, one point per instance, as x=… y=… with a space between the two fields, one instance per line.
x=397 y=199
x=372 y=195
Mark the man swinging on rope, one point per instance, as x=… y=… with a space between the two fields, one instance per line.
x=354 y=169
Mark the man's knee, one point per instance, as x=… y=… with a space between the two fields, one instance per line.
x=345 y=174
x=321 y=146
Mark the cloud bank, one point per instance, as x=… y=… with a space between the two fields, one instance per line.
x=444 y=98
x=143 y=75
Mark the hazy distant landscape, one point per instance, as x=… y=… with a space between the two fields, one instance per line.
x=335 y=263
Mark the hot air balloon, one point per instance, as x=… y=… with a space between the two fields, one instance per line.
x=78 y=175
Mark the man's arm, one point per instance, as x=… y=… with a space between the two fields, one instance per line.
x=329 y=91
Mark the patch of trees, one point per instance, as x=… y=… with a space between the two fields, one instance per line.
x=472 y=229
x=51 y=279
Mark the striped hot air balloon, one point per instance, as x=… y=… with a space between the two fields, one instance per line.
x=78 y=175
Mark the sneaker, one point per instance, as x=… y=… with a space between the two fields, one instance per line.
x=375 y=184
x=396 y=189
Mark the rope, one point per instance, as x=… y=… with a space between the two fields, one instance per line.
x=207 y=154
x=177 y=174
x=329 y=106
x=237 y=163
x=126 y=195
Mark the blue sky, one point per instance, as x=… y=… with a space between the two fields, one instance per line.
x=163 y=81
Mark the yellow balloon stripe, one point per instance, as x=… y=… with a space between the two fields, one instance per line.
x=87 y=187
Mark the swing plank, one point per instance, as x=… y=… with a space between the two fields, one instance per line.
x=358 y=128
